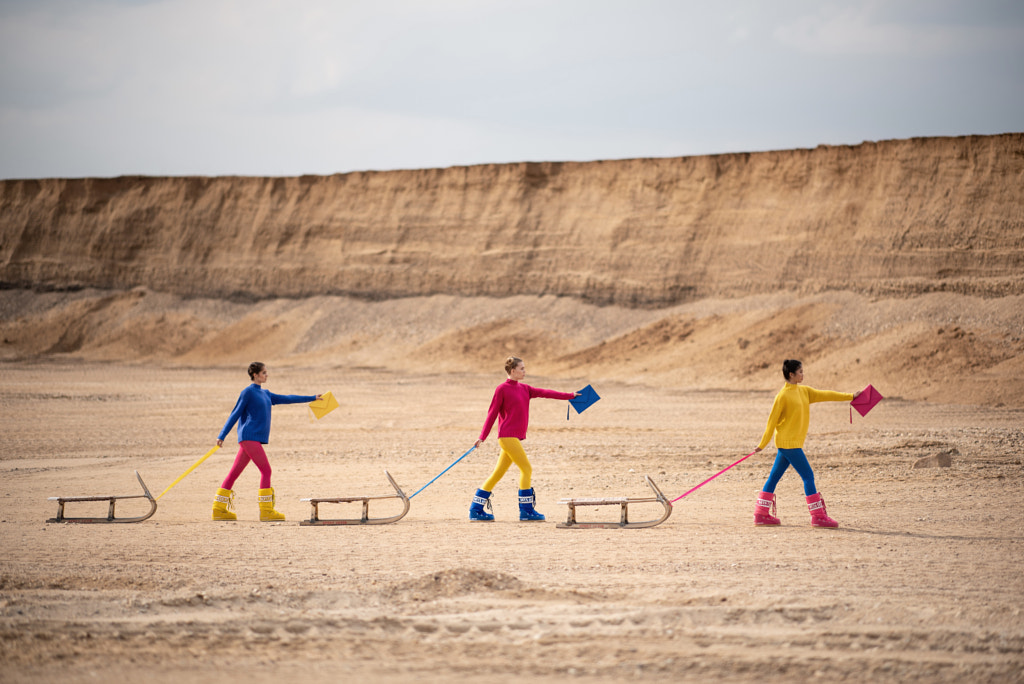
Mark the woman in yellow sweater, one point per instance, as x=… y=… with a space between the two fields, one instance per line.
x=788 y=421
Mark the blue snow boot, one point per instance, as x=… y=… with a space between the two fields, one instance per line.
x=476 y=510
x=526 y=510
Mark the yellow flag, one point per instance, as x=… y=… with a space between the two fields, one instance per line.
x=324 y=405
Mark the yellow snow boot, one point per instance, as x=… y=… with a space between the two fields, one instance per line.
x=267 y=512
x=222 y=505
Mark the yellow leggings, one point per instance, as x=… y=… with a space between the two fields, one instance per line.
x=511 y=452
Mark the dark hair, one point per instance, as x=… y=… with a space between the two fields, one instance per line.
x=790 y=366
x=510 y=364
x=256 y=367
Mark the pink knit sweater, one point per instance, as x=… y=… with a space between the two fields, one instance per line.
x=511 y=403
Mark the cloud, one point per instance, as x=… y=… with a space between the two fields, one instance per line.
x=270 y=87
x=890 y=29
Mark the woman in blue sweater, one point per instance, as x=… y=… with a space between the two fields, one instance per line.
x=252 y=413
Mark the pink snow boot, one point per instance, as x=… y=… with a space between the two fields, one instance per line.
x=819 y=517
x=763 y=509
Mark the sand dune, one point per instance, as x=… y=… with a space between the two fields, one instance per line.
x=939 y=347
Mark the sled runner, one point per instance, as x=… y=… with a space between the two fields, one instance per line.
x=365 y=519
x=61 y=500
x=623 y=502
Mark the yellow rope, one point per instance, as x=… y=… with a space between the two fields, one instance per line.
x=191 y=468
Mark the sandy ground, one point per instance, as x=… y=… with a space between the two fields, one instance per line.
x=922 y=581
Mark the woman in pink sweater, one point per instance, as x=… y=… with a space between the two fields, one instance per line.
x=511 y=406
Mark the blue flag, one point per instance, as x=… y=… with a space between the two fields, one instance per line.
x=584 y=401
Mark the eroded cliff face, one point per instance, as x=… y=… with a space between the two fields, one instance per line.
x=896 y=217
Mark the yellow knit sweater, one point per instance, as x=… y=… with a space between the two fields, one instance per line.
x=791 y=414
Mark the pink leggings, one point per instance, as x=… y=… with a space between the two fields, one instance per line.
x=249 y=451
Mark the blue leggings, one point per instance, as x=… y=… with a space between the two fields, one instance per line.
x=785 y=458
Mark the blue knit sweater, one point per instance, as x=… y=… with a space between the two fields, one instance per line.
x=252 y=412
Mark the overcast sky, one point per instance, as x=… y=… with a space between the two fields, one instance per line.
x=258 y=87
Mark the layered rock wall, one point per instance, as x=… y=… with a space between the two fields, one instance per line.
x=895 y=217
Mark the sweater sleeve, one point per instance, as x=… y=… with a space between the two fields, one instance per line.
x=235 y=414
x=814 y=395
x=290 y=398
x=550 y=394
x=773 y=422
x=492 y=413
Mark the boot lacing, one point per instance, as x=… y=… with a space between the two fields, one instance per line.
x=487 y=504
x=227 y=499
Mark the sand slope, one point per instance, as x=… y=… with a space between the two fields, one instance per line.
x=939 y=347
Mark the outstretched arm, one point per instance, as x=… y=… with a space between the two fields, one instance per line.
x=292 y=398
x=551 y=394
x=816 y=395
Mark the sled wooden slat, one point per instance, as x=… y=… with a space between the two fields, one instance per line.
x=599 y=502
x=364 y=519
x=62 y=500
x=623 y=503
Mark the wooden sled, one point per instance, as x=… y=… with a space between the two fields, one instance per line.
x=365 y=519
x=61 y=500
x=623 y=502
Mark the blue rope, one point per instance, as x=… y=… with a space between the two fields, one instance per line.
x=445 y=470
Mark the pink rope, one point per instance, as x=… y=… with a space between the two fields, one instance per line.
x=713 y=477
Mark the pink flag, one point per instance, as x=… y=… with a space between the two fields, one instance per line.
x=865 y=401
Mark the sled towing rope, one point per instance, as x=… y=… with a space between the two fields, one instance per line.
x=623 y=503
x=365 y=519
x=61 y=500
